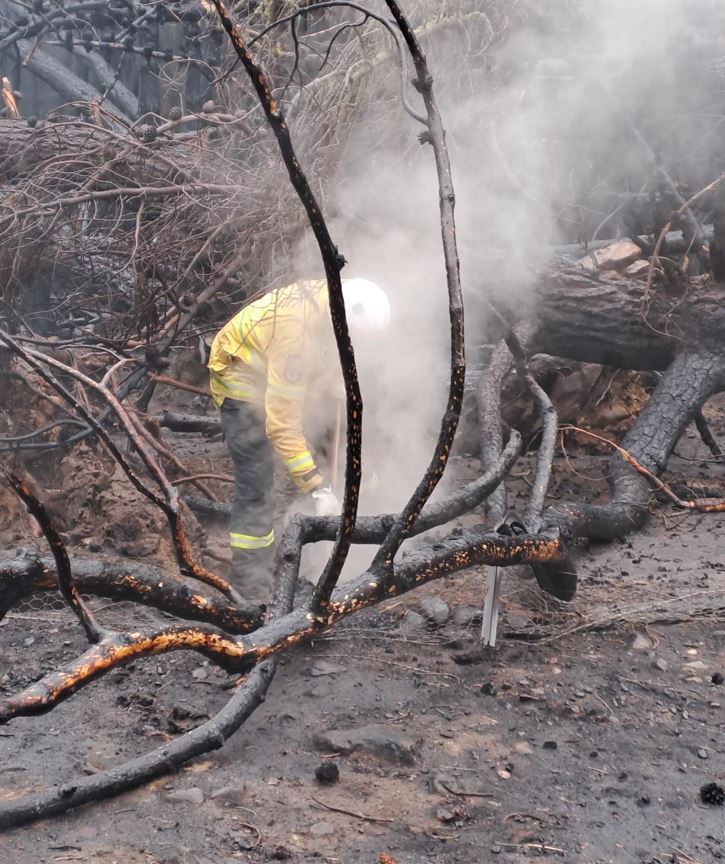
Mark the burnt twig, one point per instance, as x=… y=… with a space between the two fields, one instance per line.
x=701 y=505
x=62 y=562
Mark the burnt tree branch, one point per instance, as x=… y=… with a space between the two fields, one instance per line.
x=66 y=582
x=333 y=263
x=243 y=653
x=435 y=135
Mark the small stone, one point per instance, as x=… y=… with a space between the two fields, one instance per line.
x=535 y=694
x=518 y=623
x=386 y=742
x=638 y=642
x=696 y=665
x=660 y=663
x=327 y=773
x=638 y=268
x=466 y=616
x=444 y=784
x=324 y=667
x=193 y=795
x=523 y=747
x=231 y=796
x=503 y=774
x=321 y=829
x=702 y=753
x=412 y=622
x=717 y=678
x=443 y=814
x=200 y=674
x=488 y=689
x=435 y=610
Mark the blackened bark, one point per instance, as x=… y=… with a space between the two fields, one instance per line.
x=597 y=320
x=691 y=379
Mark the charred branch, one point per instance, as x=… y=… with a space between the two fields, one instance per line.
x=66 y=583
x=435 y=135
x=168 y=757
x=691 y=379
x=242 y=654
x=333 y=262
x=25 y=576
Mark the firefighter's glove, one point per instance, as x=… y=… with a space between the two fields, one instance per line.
x=326 y=503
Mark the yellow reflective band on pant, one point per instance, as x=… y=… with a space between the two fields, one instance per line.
x=300 y=464
x=250 y=541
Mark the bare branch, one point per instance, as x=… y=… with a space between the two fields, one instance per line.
x=435 y=135
x=333 y=262
x=62 y=563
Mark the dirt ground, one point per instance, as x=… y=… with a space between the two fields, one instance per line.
x=586 y=736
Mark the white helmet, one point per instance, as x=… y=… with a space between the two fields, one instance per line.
x=366 y=305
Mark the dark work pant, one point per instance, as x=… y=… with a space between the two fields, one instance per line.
x=251 y=534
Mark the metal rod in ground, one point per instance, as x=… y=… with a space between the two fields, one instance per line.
x=489 y=625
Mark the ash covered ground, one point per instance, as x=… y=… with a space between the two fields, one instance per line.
x=585 y=737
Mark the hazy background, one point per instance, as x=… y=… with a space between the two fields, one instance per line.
x=550 y=131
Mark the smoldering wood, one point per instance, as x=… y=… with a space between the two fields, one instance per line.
x=29 y=574
x=169 y=756
x=243 y=653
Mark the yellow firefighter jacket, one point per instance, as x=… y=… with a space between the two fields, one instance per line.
x=265 y=354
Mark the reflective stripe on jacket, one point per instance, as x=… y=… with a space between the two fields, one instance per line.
x=263 y=355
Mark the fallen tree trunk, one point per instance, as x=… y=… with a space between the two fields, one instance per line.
x=611 y=321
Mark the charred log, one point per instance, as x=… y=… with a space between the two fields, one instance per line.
x=607 y=321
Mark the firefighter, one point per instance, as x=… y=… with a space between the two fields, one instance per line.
x=261 y=364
